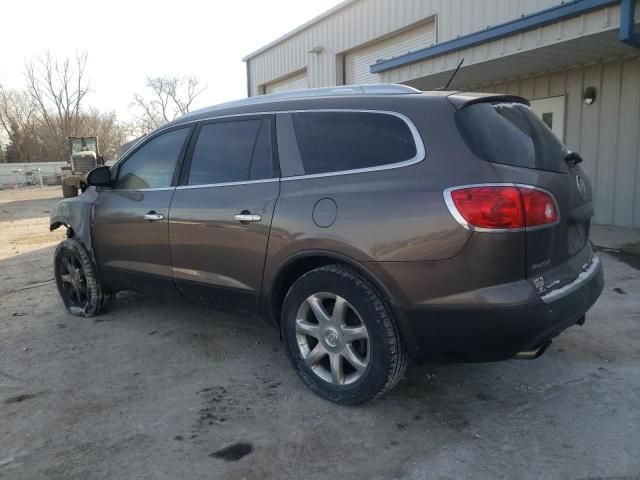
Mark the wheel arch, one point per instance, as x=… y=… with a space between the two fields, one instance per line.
x=300 y=263
x=75 y=214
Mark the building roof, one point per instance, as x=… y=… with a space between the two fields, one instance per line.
x=299 y=29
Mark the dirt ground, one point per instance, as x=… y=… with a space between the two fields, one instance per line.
x=164 y=389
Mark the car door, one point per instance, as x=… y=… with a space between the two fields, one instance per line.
x=130 y=220
x=220 y=215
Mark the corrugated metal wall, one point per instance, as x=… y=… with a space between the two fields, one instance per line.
x=559 y=33
x=357 y=62
x=366 y=20
x=605 y=133
x=298 y=81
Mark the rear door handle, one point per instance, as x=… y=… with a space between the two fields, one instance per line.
x=247 y=218
x=153 y=216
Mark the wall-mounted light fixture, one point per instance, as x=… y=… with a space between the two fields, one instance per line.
x=316 y=50
x=590 y=95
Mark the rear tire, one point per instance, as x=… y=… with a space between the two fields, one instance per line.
x=77 y=281
x=340 y=336
x=69 y=191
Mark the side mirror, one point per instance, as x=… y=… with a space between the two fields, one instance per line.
x=99 y=177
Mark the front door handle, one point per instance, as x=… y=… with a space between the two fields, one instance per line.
x=247 y=218
x=153 y=216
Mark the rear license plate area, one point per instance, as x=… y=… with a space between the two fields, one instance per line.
x=577 y=238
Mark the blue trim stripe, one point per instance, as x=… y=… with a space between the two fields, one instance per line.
x=523 y=24
x=627 y=33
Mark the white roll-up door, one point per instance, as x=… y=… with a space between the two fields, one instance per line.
x=357 y=62
x=298 y=81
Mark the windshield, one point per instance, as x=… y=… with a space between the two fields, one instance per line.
x=83 y=145
x=511 y=134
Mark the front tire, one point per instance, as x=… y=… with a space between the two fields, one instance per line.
x=77 y=281
x=340 y=336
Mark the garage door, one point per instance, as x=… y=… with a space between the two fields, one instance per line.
x=357 y=62
x=294 y=82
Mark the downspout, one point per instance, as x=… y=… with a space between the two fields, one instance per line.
x=248 y=78
x=627 y=33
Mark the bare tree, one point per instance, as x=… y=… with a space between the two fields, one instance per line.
x=38 y=119
x=19 y=120
x=58 y=89
x=165 y=99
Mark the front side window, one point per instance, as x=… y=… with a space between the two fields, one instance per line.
x=234 y=151
x=339 y=141
x=153 y=164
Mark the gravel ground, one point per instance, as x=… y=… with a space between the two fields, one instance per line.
x=165 y=389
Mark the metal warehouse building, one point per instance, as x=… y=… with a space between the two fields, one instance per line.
x=577 y=61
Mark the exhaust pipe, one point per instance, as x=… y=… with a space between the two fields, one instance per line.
x=532 y=354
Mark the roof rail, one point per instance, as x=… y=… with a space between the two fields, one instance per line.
x=372 y=89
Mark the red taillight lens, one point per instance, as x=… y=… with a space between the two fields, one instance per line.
x=504 y=207
x=539 y=207
x=490 y=207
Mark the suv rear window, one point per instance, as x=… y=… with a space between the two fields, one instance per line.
x=339 y=141
x=511 y=134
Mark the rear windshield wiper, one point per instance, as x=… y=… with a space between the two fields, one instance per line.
x=573 y=158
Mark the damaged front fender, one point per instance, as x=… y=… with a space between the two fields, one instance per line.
x=75 y=214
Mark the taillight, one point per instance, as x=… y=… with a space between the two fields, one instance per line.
x=501 y=207
x=539 y=207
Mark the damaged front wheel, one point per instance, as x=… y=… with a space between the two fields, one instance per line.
x=77 y=280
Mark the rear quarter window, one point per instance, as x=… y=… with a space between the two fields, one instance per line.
x=340 y=141
x=511 y=134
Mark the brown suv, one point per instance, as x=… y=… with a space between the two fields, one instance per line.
x=371 y=224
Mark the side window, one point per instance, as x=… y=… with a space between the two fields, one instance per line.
x=232 y=152
x=337 y=141
x=153 y=164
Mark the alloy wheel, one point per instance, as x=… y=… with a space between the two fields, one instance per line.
x=73 y=282
x=332 y=338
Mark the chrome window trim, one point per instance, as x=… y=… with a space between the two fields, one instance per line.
x=448 y=200
x=417 y=138
x=159 y=189
x=227 y=184
x=188 y=187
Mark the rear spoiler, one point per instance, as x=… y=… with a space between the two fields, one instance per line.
x=461 y=100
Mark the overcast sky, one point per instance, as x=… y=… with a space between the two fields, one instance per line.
x=129 y=40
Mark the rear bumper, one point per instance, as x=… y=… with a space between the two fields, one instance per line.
x=490 y=333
